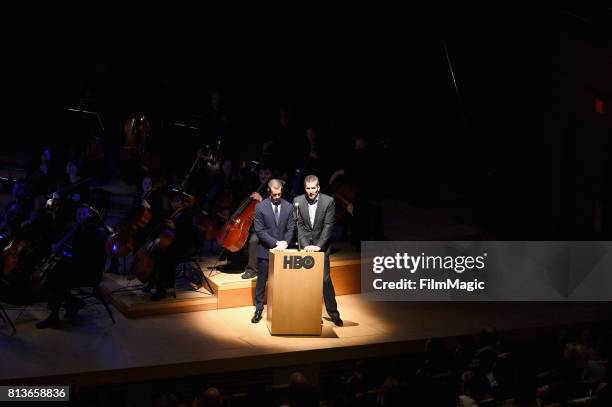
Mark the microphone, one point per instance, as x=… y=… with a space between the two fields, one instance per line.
x=296 y=205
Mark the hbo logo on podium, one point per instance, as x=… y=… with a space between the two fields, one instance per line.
x=298 y=262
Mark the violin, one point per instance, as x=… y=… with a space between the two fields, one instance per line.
x=53 y=199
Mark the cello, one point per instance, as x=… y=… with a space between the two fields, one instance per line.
x=212 y=217
x=136 y=129
x=121 y=243
x=234 y=234
x=48 y=264
x=143 y=264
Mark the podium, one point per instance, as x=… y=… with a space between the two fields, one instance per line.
x=295 y=292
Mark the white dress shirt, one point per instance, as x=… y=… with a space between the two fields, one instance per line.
x=312 y=209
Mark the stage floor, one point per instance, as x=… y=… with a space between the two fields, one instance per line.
x=93 y=351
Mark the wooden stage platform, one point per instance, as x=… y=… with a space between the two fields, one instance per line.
x=92 y=351
x=229 y=289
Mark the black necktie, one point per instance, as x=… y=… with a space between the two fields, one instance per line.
x=276 y=213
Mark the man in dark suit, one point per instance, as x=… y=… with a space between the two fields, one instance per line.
x=315 y=221
x=274 y=227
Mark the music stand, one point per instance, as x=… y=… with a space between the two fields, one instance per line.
x=210 y=157
x=95 y=115
x=4 y=317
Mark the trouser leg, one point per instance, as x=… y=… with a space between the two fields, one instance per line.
x=329 y=294
x=262 y=279
x=253 y=243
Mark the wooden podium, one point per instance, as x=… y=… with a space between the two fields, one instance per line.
x=295 y=292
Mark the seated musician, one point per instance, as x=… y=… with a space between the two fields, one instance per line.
x=146 y=197
x=80 y=265
x=250 y=270
x=221 y=192
x=166 y=261
x=73 y=191
x=14 y=213
x=358 y=169
x=44 y=178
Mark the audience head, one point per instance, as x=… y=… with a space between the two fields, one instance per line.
x=210 y=398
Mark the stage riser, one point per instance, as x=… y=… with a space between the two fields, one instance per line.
x=346 y=275
x=240 y=297
x=346 y=278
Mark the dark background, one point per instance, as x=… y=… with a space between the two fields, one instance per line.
x=516 y=148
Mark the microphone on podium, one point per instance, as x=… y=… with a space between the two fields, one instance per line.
x=296 y=206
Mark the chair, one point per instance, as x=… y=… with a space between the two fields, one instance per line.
x=8 y=295
x=83 y=294
x=4 y=317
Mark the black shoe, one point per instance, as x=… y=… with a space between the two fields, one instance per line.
x=159 y=295
x=147 y=287
x=336 y=320
x=113 y=268
x=73 y=307
x=51 y=321
x=249 y=274
x=257 y=316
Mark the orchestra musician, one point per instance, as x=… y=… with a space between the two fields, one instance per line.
x=166 y=261
x=250 y=271
x=80 y=265
x=73 y=191
x=14 y=213
x=150 y=199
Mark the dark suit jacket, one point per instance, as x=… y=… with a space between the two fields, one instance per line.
x=319 y=233
x=266 y=229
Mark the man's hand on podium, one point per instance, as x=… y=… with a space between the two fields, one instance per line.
x=312 y=248
x=281 y=245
